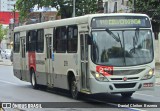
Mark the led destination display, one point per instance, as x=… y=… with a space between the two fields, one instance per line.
x=121 y=22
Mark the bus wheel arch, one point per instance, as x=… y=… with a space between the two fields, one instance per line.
x=72 y=83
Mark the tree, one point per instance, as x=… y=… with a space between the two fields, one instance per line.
x=149 y=7
x=3 y=32
x=86 y=7
x=64 y=7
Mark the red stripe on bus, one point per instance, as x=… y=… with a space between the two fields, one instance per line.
x=32 y=60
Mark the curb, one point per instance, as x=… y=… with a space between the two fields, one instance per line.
x=5 y=64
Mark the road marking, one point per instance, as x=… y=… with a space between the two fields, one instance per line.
x=8 y=82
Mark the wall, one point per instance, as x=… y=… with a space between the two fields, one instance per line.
x=113 y=6
x=3 y=44
x=5 y=17
x=7 y=5
x=36 y=17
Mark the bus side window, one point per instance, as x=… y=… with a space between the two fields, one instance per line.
x=31 y=40
x=72 y=36
x=27 y=40
x=16 y=42
x=61 y=39
x=54 y=39
x=40 y=41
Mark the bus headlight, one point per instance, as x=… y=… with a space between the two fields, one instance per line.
x=148 y=75
x=99 y=76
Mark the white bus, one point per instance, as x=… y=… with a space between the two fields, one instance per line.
x=96 y=53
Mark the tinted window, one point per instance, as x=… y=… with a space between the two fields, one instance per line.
x=40 y=41
x=16 y=42
x=72 y=38
x=31 y=40
x=61 y=38
x=122 y=47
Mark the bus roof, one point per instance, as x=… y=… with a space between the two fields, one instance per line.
x=70 y=21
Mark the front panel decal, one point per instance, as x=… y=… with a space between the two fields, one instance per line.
x=105 y=70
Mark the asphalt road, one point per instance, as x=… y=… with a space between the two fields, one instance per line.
x=14 y=90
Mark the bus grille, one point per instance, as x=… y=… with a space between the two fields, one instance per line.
x=127 y=72
x=126 y=85
x=121 y=79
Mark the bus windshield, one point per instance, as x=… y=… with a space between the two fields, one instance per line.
x=122 y=47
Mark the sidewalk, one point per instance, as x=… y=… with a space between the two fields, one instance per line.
x=5 y=62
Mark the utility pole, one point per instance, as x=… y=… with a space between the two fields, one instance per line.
x=134 y=6
x=14 y=16
x=74 y=8
x=40 y=17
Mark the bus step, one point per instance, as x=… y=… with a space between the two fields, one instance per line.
x=86 y=91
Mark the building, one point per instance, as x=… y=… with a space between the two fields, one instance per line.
x=37 y=17
x=7 y=5
x=43 y=9
x=117 y=6
x=8 y=17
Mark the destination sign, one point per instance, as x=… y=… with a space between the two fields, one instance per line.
x=121 y=22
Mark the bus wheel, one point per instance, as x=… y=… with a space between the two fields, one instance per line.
x=74 y=89
x=33 y=80
x=127 y=94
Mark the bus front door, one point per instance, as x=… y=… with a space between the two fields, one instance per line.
x=48 y=60
x=84 y=61
x=23 y=58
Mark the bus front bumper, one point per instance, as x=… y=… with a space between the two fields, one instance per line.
x=122 y=86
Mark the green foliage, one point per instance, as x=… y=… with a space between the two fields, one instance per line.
x=86 y=7
x=3 y=32
x=149 y=7
x=64 y=7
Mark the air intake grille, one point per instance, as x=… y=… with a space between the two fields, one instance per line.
x=126 y=85
x=127 y=72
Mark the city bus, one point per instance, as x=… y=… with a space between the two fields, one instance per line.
x=94 y=53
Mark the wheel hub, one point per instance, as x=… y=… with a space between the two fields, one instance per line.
x=33 y=80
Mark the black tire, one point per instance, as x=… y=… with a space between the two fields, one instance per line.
x=33 y=80
x=73 y=89
x=127 y=94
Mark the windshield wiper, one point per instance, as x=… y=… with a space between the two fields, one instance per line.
x=113 y=35
x=117 y=38
x=135 y=39
x=136 y=35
